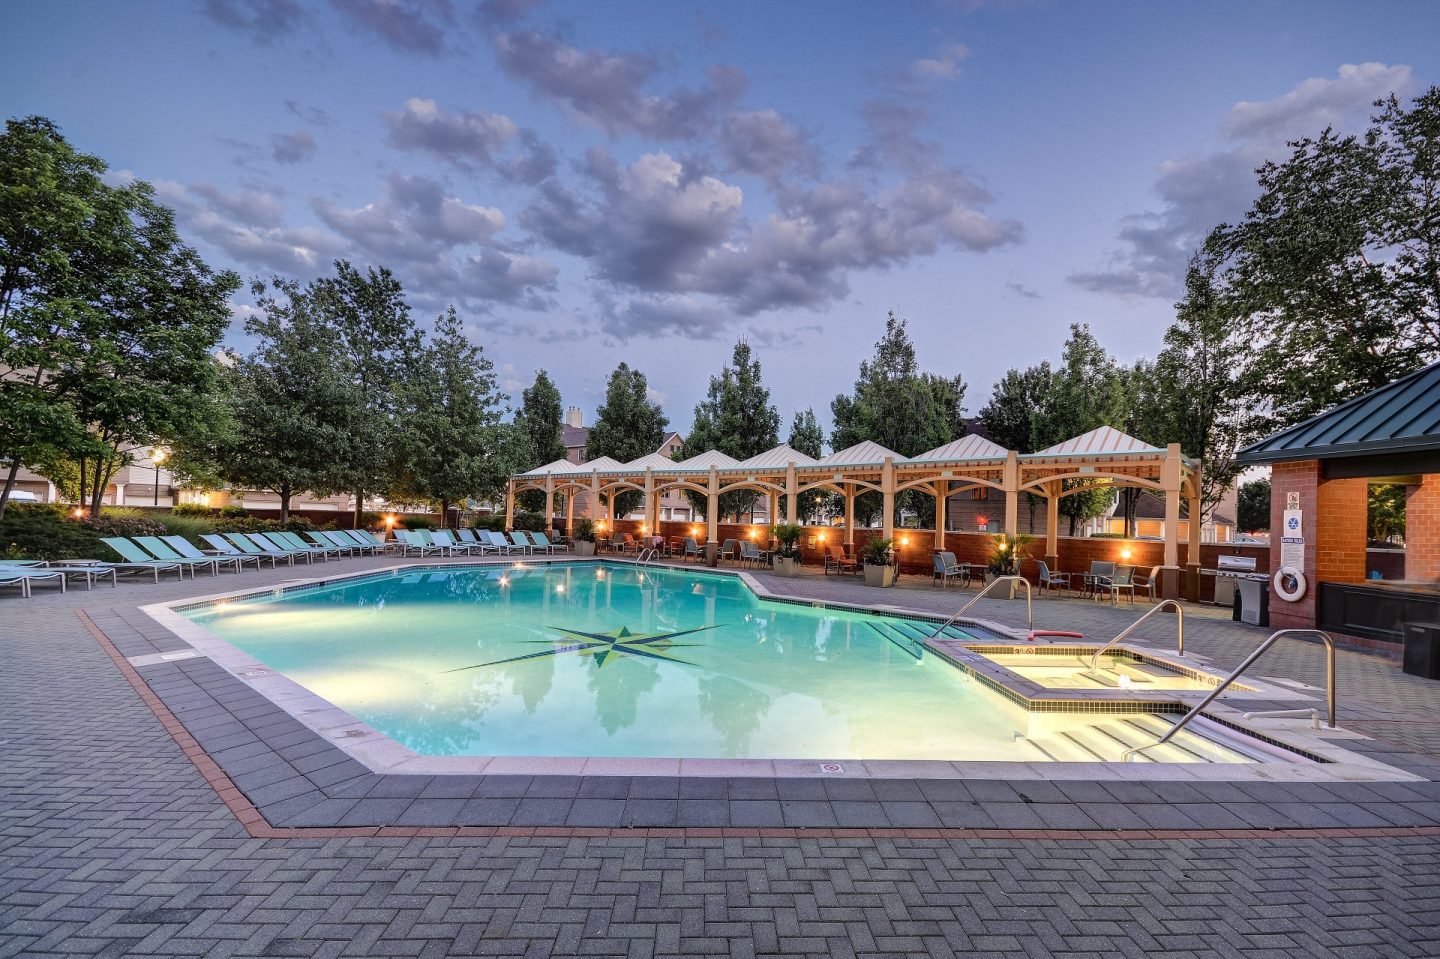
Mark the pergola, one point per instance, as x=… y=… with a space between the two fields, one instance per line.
x=1103 y=456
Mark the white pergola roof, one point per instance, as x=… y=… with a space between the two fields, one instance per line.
x=653 y=461
x=602 y=465
x=864 y=453
x=969 y=447
x=705 y=460
x=779 y=456
x=558 y=466
x=1100 y=442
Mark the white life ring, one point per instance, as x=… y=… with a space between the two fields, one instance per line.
x=1289 y=584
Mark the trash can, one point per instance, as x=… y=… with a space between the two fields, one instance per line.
x=1252 y=602
x=1422 y=650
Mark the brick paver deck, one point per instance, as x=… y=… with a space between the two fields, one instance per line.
x=113 y=843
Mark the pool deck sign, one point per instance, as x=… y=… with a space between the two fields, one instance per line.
x=1292 y=537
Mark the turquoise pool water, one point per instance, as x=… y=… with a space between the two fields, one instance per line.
x=593 y=659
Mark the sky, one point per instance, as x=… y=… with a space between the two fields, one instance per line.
x=590 y=183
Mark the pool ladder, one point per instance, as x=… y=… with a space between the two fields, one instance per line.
x=1259 y=651
x=1029 y=608
x=1163 y=604
x=650 y=554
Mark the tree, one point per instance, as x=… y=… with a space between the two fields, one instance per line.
x=292 y=408
x=1385 y=513
x=806 y=437
x=1009 y=417
x=107 y=320
x=627 y=426
x=735 y=418
x=899 y=407
x=1333 y=270
x=539 y=424
x=1252 y=506
x=450 y=445
x=370 y=320
x=1194 y=393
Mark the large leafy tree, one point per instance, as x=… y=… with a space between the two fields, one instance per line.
x=1252 y=506
x=107 y=319
x=628 y=425
x=1009 y=416
x=292 y=407
x=807 y=437
x=451 y=445
x=1334 y=269
x=539 y=425
x=378 y=341
x=737 y=419
x=898 y=406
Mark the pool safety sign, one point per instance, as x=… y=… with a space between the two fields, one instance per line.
x=1292 y=540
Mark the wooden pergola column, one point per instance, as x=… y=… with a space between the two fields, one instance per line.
x=849 y=514
x=1170 y=482
x=510 y=505
x=570 y=512
x=941 y=490
x=647 y=525
x=712 y=518
x=549 y=500
x=792 y=504
x=1192 y=549
x=887 y=497
x=1052 y=525
x=1010 y=480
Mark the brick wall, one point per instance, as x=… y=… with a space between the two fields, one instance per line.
x=1422 y=530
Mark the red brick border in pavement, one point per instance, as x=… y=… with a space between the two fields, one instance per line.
x=258 y=827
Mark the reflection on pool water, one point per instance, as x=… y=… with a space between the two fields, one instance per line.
x=594 y=659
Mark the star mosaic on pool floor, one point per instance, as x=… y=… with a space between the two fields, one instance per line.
x=604 y=647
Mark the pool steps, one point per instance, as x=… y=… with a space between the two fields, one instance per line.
x=1108 y=741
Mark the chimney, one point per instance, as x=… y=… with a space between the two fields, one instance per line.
x=573 y=417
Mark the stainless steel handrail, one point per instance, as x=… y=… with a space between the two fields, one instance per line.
x=1029 y=606
x=1259 y=650
x=1180 y=623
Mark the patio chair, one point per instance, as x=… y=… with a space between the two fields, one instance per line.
x=262 y=543
x=223 y=546
x=1121 y=581
x=836 y=559
x=1099 y=570
x=319 y=547
x=448 y=544
x=750 y=553
x=543 y=542
x=137 y=558
x=366 y=540
x=500 y=543
x=946 y=569
x=476 y=544
x=23 y=576
x=728 y=550
x=161 y=550
x=188 y=549
x=519 y=539
x=1049 y=580
x=329 y=539
x=1150 y=582
x=692 y=548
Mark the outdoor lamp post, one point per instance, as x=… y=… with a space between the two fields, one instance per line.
x=157 y=456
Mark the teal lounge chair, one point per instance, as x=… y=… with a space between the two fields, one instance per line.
x=543 y=542
x=518 y=538
x=366 y=543
x=337 y=539
x=442 y=537
x=223 y=546
x=412 y=540
x=137 y=559
x=187 y=549
x=161 y=550
x=23 y=576
x=263 y=543
x=283 y=538
x=245 y=544
x=500 y=543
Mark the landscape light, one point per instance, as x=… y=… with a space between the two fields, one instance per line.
x=1124 y=554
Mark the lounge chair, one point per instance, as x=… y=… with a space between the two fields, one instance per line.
x=226 y=548
x=543 y=542
x=343 y=546
x=256 y=547
x=946 y=569
x=499 y=542
x=414 y=540
x=836 y=559
x=188 y=549
x=366 y=540
x=1049 y=580
x=443 y=538
x=263 y=542
x=23 y=576
x=518 y=538
x=162 y=550
x=283 y=538
x=468 y=538
x=137 y=559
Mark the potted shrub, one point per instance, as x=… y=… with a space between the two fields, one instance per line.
x=1006 y=555
x=878 y=571
x=584 y=537
x=786 y=561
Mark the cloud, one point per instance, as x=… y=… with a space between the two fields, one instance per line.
x=764 y=143
x=1021 y=290
x=460 y=138
x=408 y=26
x=504 y=12
x=248 y=226
x=943 y=64
x=294 y=147
x=263 y=20
x=415 y=221
x=314 y=116
x=1200 y=191
x=608 y=89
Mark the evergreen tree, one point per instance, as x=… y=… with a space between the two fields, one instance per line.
x=628 y=425
x=806 y=437
x=539 y=424
x=737 y=419
x=450 y=445
x=1009 y=417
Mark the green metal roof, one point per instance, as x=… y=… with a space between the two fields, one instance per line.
x=1399 y=418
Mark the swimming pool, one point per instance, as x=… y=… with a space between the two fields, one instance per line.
x=611 y=660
